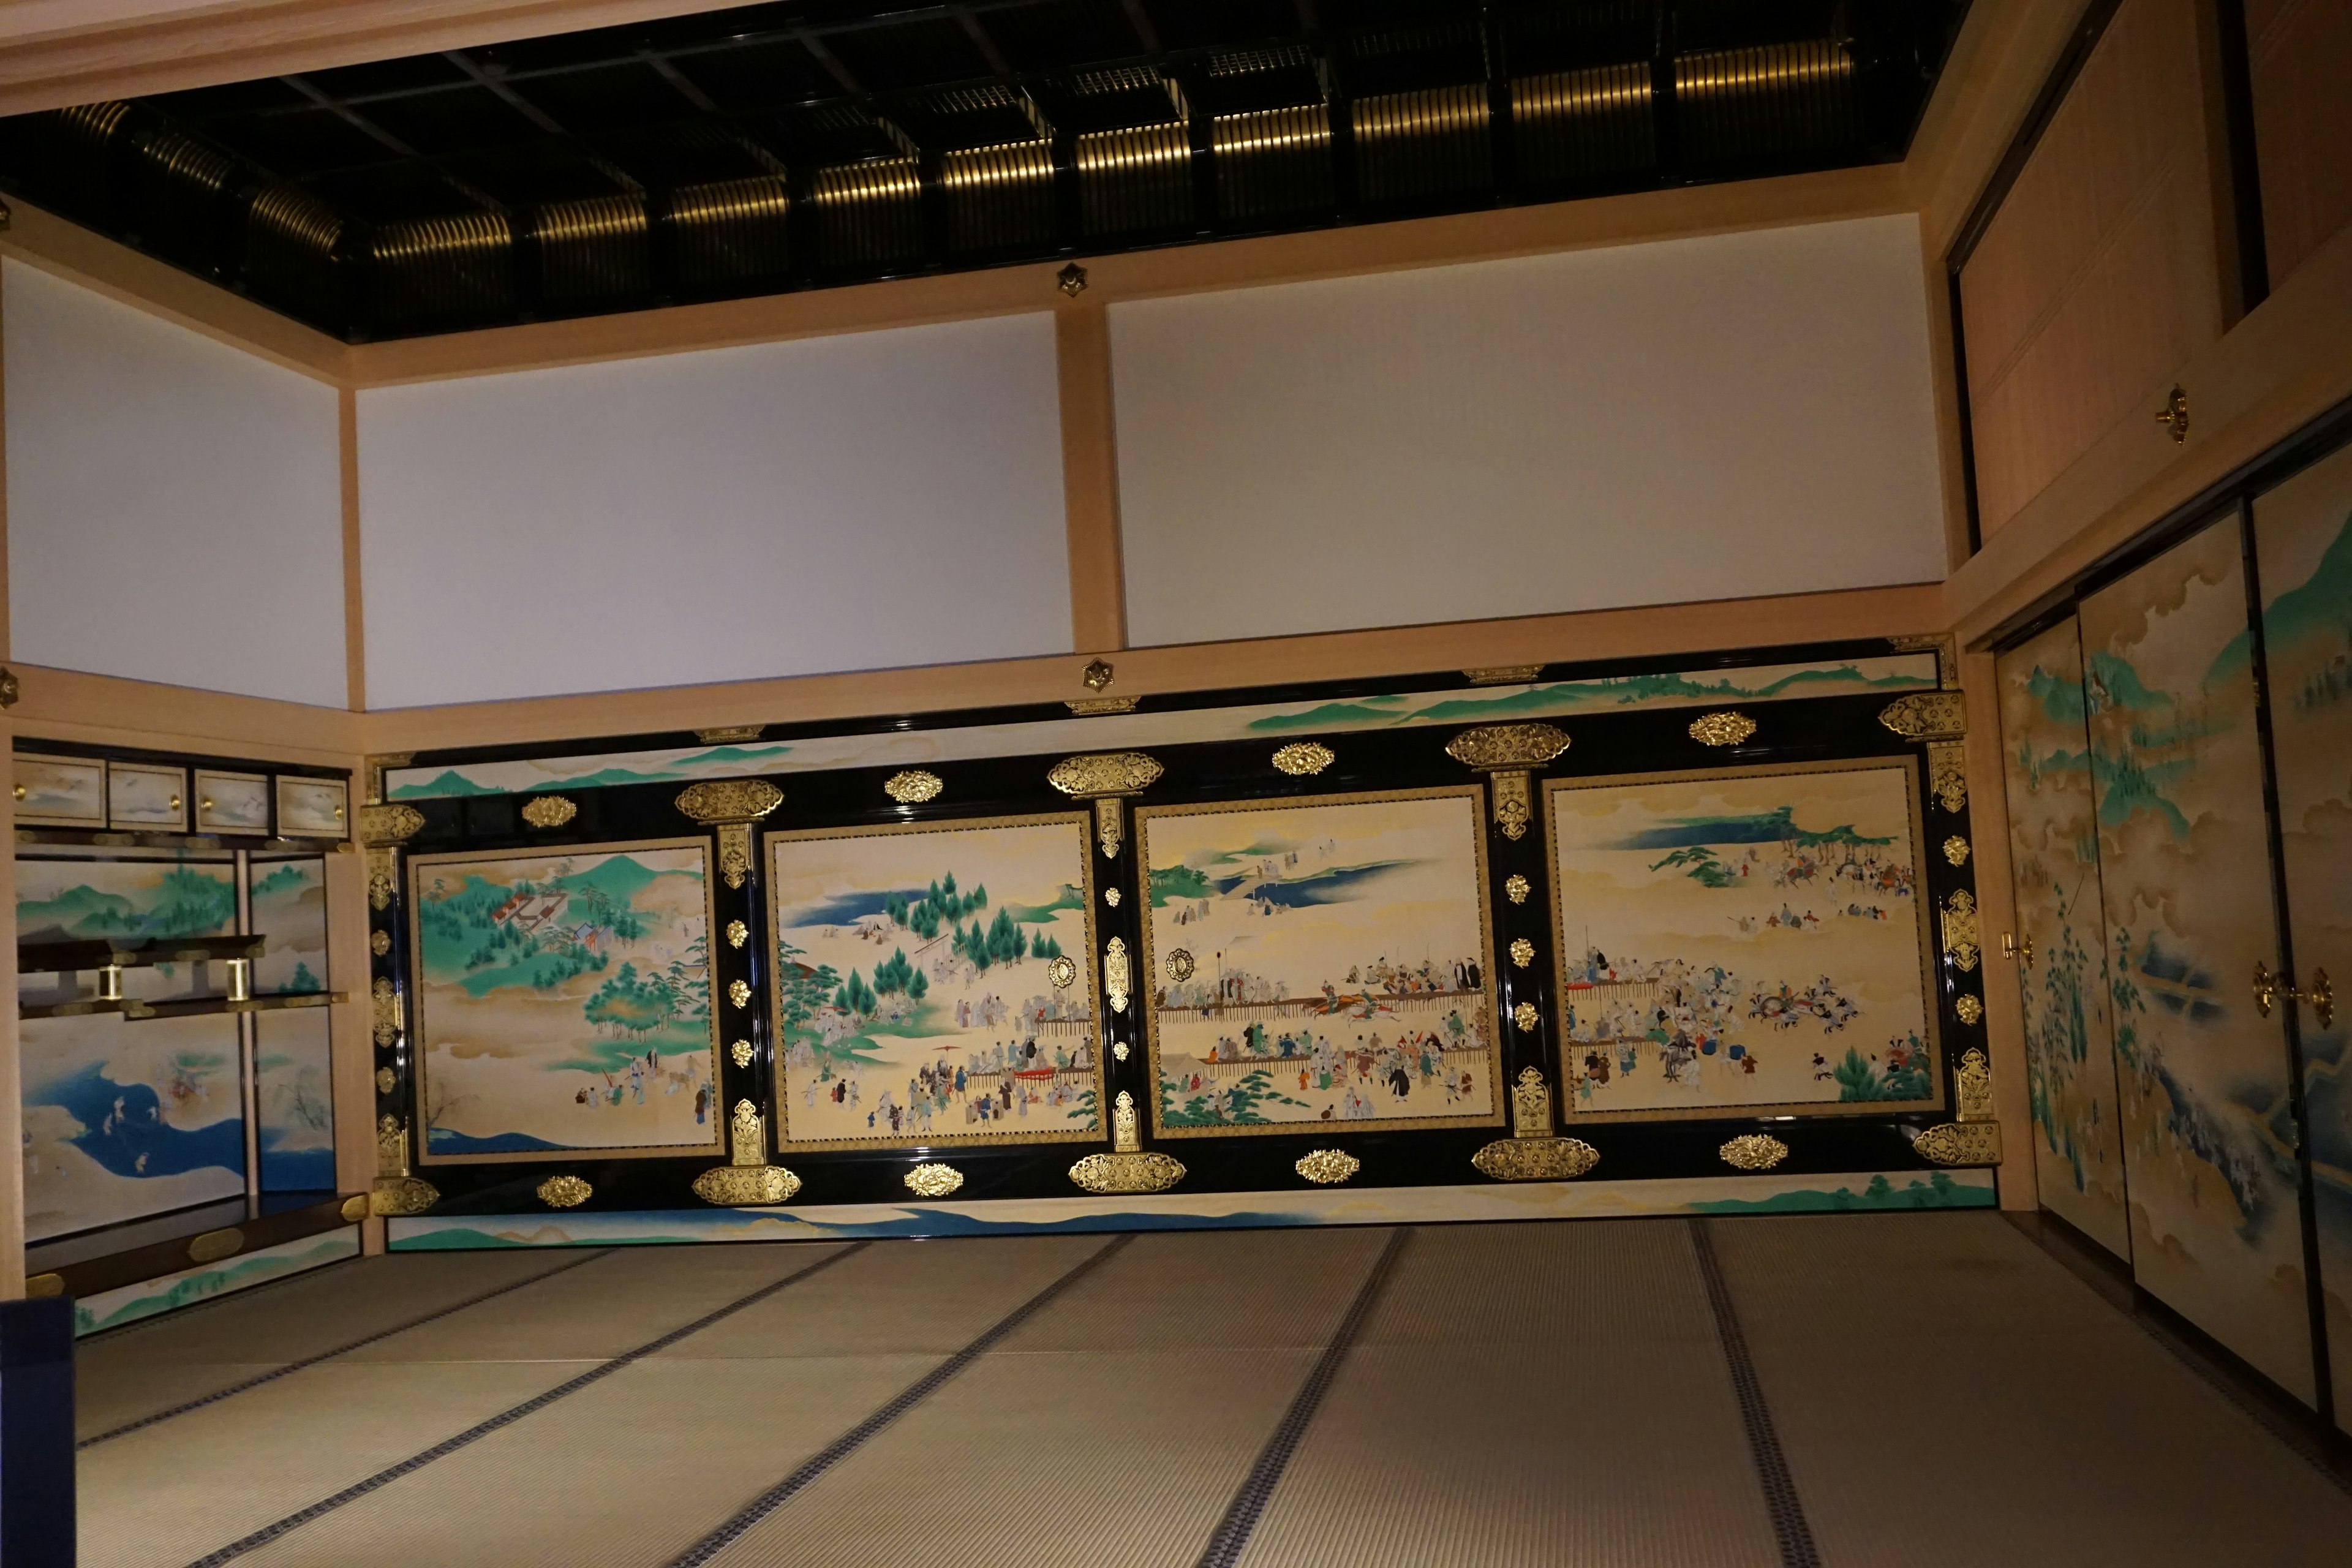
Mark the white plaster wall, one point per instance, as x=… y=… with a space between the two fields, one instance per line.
x=1693 y=419
x=175 y=505
x=856 y=502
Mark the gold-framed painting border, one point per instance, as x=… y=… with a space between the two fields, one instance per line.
x=1922 y=899
x=419 y=1041
x=1476 y=793
x=1081 y=824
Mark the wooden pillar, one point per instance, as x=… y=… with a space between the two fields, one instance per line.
x=1090 y=478
x=12 y=1132
x=2004 y=1016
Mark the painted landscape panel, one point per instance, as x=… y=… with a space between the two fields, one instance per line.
x=562 y=1001
x=293 y=1086
x=290 y=913
x=64 y=791
x=131 y=901
x=232 y=803
x=1742 y=940
x=1315 y=964
x=124 y=1119
x=2184 y=872
x=935 y=985
x=1397 y=711
x=2070 y=1057
x=2303 y=537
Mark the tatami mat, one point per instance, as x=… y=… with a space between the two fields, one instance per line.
x=1528 y=1393
x=133 y=1373
x=1949 y=1397
x=632 y=1470
x=1109 y=1432
x=1944 y=1394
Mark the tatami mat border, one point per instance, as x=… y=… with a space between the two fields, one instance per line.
x=1857 y=1192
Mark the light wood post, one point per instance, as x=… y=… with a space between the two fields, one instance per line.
x=1090 y=478
x=2004 y=1016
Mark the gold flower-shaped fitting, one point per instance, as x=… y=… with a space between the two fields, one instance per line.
x=1523 y=952
x=1754 y=1151
x=737 y=933
x=739 y=1053
x=564 y=1192
x=1062 y=972
x=1514 y=888
x=1956 y=850
x=544 y=811
x=1302 y=758
x=1525 y=1016
x=380 y=942
x=1969 y=1007
x=933 y=1179
x=1110 y=897
x=1179 y=965
x=1723 y=727
x=913 y=787
x=1325 y=1167
x=740 y=992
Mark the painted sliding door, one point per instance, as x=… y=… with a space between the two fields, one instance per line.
x=2070 y=1060
x=2303 y=539
x=2185 y=874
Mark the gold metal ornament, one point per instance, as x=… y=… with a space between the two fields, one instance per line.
x=1181 y=967
x=355 y=1208
x=1109 y=826
x=1119 y=976
x=1127 y=1168
x=564 y=1192
x=545 y=811
x=1530 y=1105
x=1960 y=1144
x=913 y=787
x=2174 y=415
x=384 y=882
x=739 y=1053
x=746 y=1180
x=1301 y=759
x=215 y=1245
x=1525 y=1016
x=10 y=690
x=1947 y=775
x=1514 y=803
x=1956 y=850
x=1972 y=1086
x=1959 y=919
x=1515 y=888
x=380 y=764
x=387 y=1012
x=396 y=1192
x=1110 y=897
x=1071 y=280
x=1754 y=1151
x=1723 y=727
x=933 y=1179
x=1969 y=1008
x=382 y=824
x=1523 y=952
x=384 y=1080
x=734 y=852
x=1947 y=664
x=740 y=992
x=391 y=1147
x=733 y=734
x=1493 y=746
x=1502 y=674
x=1095 y=773
x=380 y=942
x=1098 y=673
x=1062 y=972
x=729 y=800
x=1118 y=1049
x=737 y=933
x=1928 y=716
x=1327 y=1167
x=1531 y=1153
x=1092 y=707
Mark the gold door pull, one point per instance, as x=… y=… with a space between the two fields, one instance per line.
x=2270 y=989
x=2013 y=948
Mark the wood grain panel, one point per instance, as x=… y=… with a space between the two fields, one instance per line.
x=2301 y=56
x=2098 y=276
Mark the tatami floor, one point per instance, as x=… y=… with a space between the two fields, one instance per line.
x=1882 y=1390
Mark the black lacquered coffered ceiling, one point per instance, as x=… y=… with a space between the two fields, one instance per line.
x=814 y=142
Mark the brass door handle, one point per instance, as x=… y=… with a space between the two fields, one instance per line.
x=2013 y=948
x=2270 y=989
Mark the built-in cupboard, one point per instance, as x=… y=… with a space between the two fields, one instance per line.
x=2178 y=749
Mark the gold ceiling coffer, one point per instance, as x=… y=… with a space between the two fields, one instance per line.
x=1507 y=755
x=1127 y=1168
x=731 y=806
x=1928 y=716
x=2174 y=415
x=544 y=811
x=1105 y=778
x=2270 y=989
x=1975 y=1138
x=396 y=1191
x=1532 y=1152
x=746 y=1180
